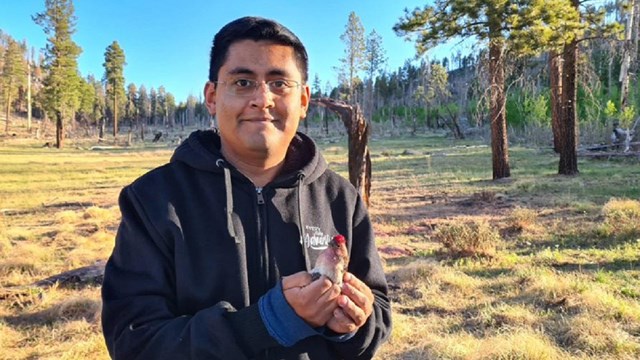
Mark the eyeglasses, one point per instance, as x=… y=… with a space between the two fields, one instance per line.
x=248 y=87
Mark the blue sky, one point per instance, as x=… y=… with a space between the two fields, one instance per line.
x=167 y=42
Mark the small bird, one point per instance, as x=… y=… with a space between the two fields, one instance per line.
x=332 y=261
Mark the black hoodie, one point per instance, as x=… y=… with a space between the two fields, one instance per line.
x=199 y=244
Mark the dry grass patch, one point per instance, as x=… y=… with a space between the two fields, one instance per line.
x=621 y=219
x=504 y=317
x=427 y=337
x=102 y=217
x=601 y=338
x=521 y=344
x=518 y=345
x=409 y=333
x=469 y=239
x=426 y=288
x=529 y=297
x=46 y=327
x=416 y=271
x=608 y=305
x=26 y=259
x=522 y=219
x=5 y=242
x=8 y=336
x=548 y=288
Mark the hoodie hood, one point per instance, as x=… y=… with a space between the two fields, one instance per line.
x=303 y=165
x=201 y=150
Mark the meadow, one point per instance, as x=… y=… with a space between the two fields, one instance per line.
x=537 y=266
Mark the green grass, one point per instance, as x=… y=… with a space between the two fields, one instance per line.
x=562 y=284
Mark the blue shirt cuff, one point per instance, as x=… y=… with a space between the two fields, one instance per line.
x=281 y=321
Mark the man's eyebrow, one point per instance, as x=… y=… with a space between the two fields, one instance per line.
x=277 y=72
x=247 y=71
x=241 y=71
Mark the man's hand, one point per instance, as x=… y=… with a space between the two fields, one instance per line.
x=355 y=305
x=313 y=301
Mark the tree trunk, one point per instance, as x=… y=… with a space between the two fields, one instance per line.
x=325 y=122
x=453 y=124
x=359 y=155
x=59 y=130
x=115 y=113
x=568 y=127
x=626 y=59
x=141 y=123
x=610 y=76
x=101 y=129
x=555 y=77
x=8 y=108
x=29 y=96
x=499 y=142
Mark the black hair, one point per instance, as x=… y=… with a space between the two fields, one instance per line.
x=256 y=29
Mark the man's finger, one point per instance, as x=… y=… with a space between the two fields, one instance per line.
x=353 y=311
x=341 y=323
x=357 y=296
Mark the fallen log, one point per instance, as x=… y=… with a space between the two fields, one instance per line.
x=609 y=154
x=91 y=274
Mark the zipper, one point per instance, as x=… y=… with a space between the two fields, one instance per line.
x=260 y=196
x=261 y=246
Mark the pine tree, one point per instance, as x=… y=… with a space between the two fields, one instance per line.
x=87 y=96
x=317 y=87
x=13 y=75
x=170 y=103
x=98 y=103
x=354 y=54
x=161 y=107
x=114 y=62
x=524 y=28
x=130 y=108
x=144 y=109
x=375 y=58
x=592 y=25
x=153 y=108
x=62 y=80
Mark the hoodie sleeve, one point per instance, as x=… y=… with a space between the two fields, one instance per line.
x=139 y=316
x=365 y=264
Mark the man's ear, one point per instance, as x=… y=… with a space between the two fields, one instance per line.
x=305 y=98
x=210 y=97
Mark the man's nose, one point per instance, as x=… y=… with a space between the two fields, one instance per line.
x=262 y=96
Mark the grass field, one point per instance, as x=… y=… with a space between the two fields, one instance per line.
x=538 y=266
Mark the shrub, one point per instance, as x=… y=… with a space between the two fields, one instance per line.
x=621 y=218
x=471 y=239
x=522 y=218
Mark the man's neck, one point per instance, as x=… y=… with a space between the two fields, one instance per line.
x=260 y=171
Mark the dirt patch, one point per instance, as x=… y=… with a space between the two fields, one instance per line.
x=392 y=252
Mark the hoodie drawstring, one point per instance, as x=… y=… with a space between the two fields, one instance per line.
x=300 y=222
x=229 y=196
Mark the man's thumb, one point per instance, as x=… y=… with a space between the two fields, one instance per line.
x=299 y=279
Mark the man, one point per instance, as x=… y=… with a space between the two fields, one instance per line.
x=212 y=255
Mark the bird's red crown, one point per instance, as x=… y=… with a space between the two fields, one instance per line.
x=339 y=239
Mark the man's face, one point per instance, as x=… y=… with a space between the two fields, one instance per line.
x=258 y=126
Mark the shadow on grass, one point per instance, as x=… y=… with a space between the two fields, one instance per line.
x=65 y=311
x=615 y=265
x=587 y=239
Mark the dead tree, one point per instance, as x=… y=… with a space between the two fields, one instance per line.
x=359 y=132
